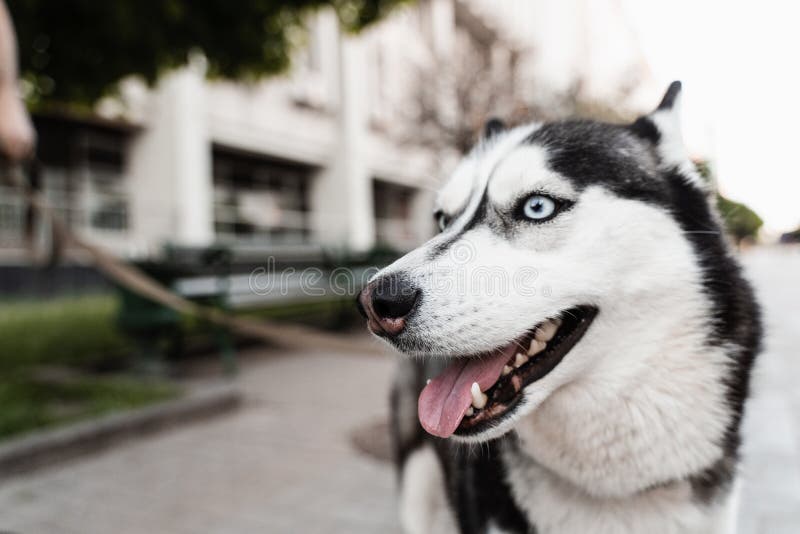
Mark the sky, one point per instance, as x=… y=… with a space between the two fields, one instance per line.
x=737 y=61
x=741 y=108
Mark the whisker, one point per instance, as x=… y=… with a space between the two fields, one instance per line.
x=570 y=314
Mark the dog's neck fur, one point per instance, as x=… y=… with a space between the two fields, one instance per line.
x=666 y=426
x=626 y=452
x=554 y=504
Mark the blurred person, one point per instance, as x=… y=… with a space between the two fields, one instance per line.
x=17 y=137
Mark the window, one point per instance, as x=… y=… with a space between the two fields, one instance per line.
x=260 y=200
x=81 y=177
x=393 y=206
x=12 y=217
x=89 y=191
x=104 y=191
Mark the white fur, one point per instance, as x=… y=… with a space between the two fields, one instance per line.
x=423 y=502
x=525 y=170
x=561 y=508
x=472 y=174
x=671 y=148
x=494 y=529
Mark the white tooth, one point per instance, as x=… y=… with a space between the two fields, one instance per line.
x=428 y=381
x=546 y=331
x=536 y=347
x=520 y=360
x=507 y=369
x=479 y=398
x=470 y=412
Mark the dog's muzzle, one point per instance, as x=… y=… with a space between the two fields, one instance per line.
x=386 y=303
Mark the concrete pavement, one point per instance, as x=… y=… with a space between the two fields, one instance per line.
x=282 y=463
x=770 y=502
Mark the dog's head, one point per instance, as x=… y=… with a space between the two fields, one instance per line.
x=563 y=258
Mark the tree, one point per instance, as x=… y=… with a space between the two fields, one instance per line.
x=76 y=51
x=740 y=221
x=455 y=96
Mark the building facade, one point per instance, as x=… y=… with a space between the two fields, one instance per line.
x=316 y=158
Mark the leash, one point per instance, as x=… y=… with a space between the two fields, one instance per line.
x=137 y=281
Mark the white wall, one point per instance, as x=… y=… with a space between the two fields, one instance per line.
x=170 y=166
x=323 y=118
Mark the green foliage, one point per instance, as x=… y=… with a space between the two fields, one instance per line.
x=741 y=221
x=75 y=331
x=63 y=338
x=30 y=403
x=704 y=169
x=76 y=51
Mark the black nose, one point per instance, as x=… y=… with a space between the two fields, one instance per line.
x=386 y=302
x=394 y=297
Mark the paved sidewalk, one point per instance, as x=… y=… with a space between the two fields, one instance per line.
x=284 y=462
x=770 y=502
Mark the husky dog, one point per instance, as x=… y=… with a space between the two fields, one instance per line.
x=581 y=339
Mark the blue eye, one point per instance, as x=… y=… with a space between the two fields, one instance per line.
x=539 y=207
x=442 y=220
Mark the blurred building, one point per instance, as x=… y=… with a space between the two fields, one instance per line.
x=310 y=160
x=325 y=157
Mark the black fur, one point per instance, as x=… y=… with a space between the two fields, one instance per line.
x=588 y=153
x=477 y=488
x=406 y=435
x=493 y=127
x=594 y=153
x=646 y=129
x=736 y=318
x=671 y=96
x=478 y=217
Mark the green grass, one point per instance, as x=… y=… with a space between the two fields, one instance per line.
x=73 y=331
x=318 y=313
x=71 y=337
x=29 y=403
x=82 y=331
x=67 y=336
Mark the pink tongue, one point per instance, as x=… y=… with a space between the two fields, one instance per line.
x=444 y=400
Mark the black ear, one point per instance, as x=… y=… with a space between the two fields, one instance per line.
x=492 y=127
x=662 y=125
x=670 y=97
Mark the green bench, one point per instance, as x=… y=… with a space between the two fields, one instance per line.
x=158 y=332
x=203 y=275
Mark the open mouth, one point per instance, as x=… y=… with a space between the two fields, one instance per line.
x=475 y=393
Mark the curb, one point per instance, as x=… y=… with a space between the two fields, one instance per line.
x=49 y=447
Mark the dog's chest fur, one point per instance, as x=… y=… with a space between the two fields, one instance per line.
x=499 y=488
x=552 y=505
